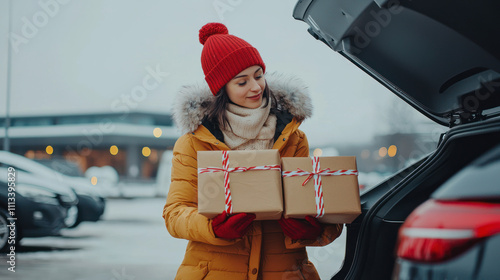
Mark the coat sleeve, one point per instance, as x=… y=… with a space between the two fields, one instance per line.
x=330 y=231
x=181 y=209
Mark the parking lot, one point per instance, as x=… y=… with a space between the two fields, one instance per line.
x=130 y=242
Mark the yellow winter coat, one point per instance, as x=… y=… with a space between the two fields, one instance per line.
x=264 y=252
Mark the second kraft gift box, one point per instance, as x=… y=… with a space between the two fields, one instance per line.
x=252 y=178
x=334 y=200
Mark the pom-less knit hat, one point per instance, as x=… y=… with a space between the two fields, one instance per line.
x=225 y=55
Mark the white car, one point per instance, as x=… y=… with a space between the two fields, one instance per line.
x=106 y=179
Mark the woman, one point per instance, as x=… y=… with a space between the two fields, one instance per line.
x=240 y=109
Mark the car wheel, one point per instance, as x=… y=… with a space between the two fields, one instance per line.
x=5 y=231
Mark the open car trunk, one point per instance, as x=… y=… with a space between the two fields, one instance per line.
x=441 y=57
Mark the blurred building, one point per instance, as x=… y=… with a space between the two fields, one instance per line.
x=385 y=154
x=131 y=143
x=389 y=153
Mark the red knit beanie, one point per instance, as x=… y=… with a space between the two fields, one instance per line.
x=225 y=55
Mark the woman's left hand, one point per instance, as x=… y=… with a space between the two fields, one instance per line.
x=310 y=228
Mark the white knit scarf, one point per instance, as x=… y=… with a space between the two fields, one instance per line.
x=252 y=129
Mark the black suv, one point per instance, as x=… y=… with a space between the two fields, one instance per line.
x=442 y=58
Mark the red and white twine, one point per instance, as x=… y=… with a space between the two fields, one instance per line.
x=316 y=174
x=225 y=168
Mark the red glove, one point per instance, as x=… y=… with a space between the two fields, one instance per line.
x=232 y=226
x=310 y=228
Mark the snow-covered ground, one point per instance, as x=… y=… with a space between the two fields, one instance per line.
x=130 y=243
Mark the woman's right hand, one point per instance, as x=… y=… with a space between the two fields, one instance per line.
x=232 y=226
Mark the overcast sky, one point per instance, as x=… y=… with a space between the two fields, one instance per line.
x=80 y=56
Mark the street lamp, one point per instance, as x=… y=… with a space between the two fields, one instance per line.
x=6 y=142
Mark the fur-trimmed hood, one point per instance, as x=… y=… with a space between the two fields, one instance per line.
x=191 y=105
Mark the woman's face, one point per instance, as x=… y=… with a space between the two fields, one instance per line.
x=246 y=88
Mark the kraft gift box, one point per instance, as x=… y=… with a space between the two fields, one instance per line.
x=340 y=192
x=252 y=191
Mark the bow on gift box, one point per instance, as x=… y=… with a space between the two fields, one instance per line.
x=225 y=168
x=316 y=174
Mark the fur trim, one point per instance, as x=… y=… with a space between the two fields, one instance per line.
x=191 y=105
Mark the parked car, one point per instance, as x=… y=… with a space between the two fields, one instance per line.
x=61 y=165
x=91 y=204
x=442 y=58
x=106 y=179
x=456 y=233
x=92 y=198
x=41 y=208
x=164 y=172
x=65 y=195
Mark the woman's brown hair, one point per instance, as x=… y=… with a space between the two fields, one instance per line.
x=217 y=110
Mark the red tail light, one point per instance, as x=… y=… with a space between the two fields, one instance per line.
x=440 y=230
